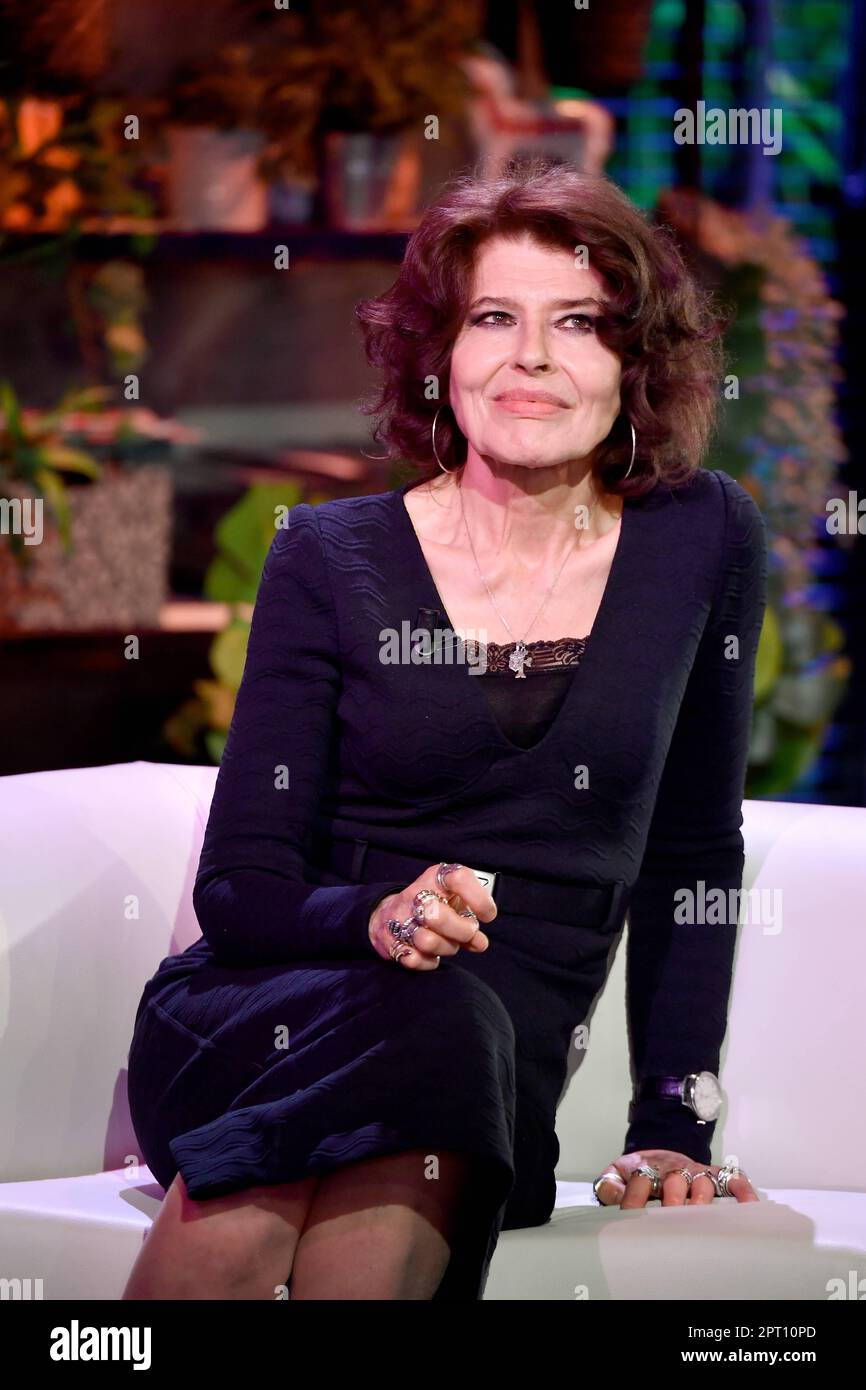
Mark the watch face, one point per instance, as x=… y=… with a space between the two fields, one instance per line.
x=706 y=1095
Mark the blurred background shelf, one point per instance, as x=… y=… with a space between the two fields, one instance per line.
x=161 y=240
x=74 y=700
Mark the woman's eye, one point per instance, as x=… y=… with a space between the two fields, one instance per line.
x=495 y=317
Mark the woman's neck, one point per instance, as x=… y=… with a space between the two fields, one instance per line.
x=528 y=510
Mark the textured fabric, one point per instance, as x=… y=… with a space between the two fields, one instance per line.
x=638 y=779
x=252 y=1076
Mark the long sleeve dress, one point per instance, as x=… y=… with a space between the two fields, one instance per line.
x=281 y=1044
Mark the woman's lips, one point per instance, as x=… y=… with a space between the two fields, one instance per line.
x=534 y=409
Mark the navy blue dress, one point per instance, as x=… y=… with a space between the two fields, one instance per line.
x=281 y=1044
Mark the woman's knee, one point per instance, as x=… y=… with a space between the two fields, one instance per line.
x=251 y=1220
x=428 y=1181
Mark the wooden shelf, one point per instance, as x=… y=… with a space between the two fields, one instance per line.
x=304 y=241
x=179 y=615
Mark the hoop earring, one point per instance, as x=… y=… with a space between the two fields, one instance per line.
x=433 y=442
x=633 y=449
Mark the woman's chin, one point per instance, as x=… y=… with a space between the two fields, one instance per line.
x=526 y=458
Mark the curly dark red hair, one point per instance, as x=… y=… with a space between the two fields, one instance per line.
x=662 y=324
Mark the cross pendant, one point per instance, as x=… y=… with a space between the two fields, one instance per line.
x=518 y=659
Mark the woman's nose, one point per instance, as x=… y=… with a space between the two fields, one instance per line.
x=532 y=351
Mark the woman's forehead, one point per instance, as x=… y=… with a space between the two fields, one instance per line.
x=526 y=268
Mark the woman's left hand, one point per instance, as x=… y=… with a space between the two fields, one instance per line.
x=636 y=1189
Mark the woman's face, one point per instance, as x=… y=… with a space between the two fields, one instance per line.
x=531 y=384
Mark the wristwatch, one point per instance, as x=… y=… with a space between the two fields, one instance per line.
x=701 y=1091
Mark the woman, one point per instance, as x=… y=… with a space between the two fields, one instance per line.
x=351 y=1080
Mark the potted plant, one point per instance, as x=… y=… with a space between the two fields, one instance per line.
x=215 y=144
x=354 y=91
x=64 y=162
x=335 y=98
x=86 y=513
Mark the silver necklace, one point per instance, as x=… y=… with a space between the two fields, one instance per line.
x=518 y=658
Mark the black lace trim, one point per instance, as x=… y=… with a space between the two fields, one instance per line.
x=555 y=654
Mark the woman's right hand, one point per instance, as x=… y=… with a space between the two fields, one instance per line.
x=444 y=931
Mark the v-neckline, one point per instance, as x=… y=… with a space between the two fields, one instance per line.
x=594 y=638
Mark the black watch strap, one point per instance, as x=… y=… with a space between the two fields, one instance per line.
x=660 y=1088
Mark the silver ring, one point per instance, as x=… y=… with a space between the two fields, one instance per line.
x=403 y=931
x=610 y=1176
x=684 y=1173
x=421 y=897
x=647 y=1170
x=441 y=872
x=725 y=1175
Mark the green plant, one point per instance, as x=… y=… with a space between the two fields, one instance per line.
x=801 y=675
x=243 y=537
x=35 y=450
x=117 y=298
x=778 y=436
x=381 y=68
x=339 y=67
x=228 y=92
x=86 y=149
x=76 y=438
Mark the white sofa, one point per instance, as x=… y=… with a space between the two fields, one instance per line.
x=96 y=874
